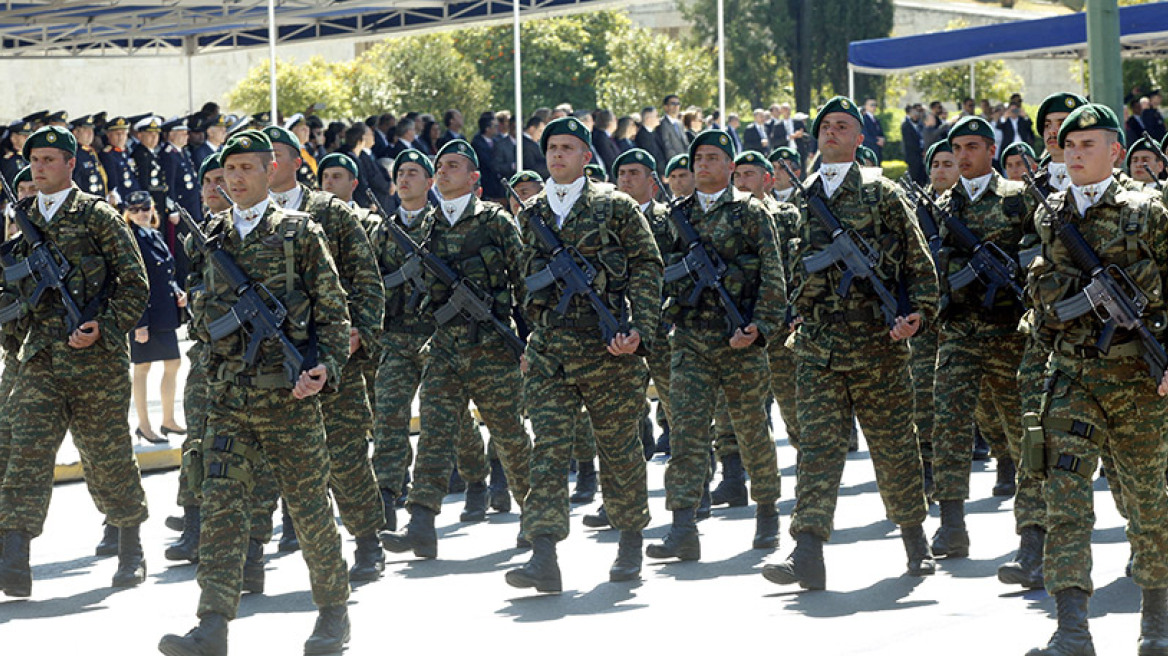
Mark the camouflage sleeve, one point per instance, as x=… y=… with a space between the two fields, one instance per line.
x=1158 y=228
x=507 y=234
x=130 y=288
x=770 y=308
x=918 y=273
x=645 y=268
x=357 y=266
x=329 y=312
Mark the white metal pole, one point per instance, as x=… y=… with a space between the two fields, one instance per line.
x=851 y=83
x=972 y=81
x=272 y=57
x=518 y=119
x=721 y=67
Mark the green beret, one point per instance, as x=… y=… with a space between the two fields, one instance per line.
x=633 y=156
x=1017 y=148
x=338 y=161
x=246 y=141
x=788 y=153
x=678 y=162
x=569 y=125
x=51 y=136
x=595 y=172
x=23 y=175
x=214 y=161
x=413 y=156
x=865 y=155
x=1058 y=102
x=1140 y=144
x=525 y=176
x=971 y=126
x=1089 y=117
x=941 y=146
x=716 y=138
x=755 y=158
x=458 y=147
x=837 y=104
x=277 y=134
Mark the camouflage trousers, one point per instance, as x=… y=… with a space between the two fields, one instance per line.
x=7 y=382
x=1029 y=505
x=85 y=392
x=704 y=362
x=783 y=387
x=971 y=358
x=347 y=422
x=924 y=369
x=874 y=386
x=1111 y=400
x=245 y=426
x=455 y=374
x=985 y=417
x=568 y=369
x=195 y=408
x=659 y=363
x=584 y=445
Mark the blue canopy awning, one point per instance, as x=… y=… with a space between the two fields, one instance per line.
x=1143 y=33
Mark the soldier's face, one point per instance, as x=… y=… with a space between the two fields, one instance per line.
x=83 y=135
x=211 y=197
x=455 y=175
x=413 y=183
x=1050 y=127
x=178 y=137
x=248 y=177
x=149 y=139
x=752 y=180
x=116 y=138
x=52 y=169
x=1015 y=167
x=975 y=156
x=216 y=133
x=338 y=182
x=287 y=162
x=681 y=182
x=566 y=157
x=1142 y=159
x=635 y=181
x=839 y=137
x=944 y=173
x=783 y=181
x=1089 y=155
x=524 y=190
x=25 y=189
x=712 y=169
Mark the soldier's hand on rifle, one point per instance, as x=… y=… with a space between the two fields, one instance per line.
x=906 y=327
x=625 y=343
x=523 y=364
x=354 y=340
x=744 y=337
x=141 y=335
x=1163 y=388
x=85 y=335
x=311 y=382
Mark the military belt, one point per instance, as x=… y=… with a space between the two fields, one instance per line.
x=262 y=381
x=409 y=329
x=853 y=315
x=1131 y=349
x=584 y=321
x=703 y=324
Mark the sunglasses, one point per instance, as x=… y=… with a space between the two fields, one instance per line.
x=139 y=208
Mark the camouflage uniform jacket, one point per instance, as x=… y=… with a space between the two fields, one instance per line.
x=401 y=302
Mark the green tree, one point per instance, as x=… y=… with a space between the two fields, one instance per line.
x=423 y=73
x=646 y=67
x=992 y=79
x=297 y=87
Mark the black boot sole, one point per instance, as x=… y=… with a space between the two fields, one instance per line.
x=624 y=574
x=174 y=648
x=1017 y=576
x=519 y=579
x=783 y=576
x=401 y=544
x=19 y=589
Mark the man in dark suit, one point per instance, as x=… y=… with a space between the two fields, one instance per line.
x=910 y=136
x=776 y=125
x=646 y=139
x=756 y=137
x=1153 y=119
x=452 y=119
x=504 y=155
x=873 y=131
x=671 y=133
x=1016 y=126
x=602 y=138
x=533 y=159
x=484 y=147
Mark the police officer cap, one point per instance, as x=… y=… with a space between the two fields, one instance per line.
x=865 y=156
x=526 y=176
x=972 y=126
x=213 y=161
x=36 y=117
x=412 y=156
x=20 y=127
x=296 y=119
x=1089 y=117
x=51 y=136
x=633 y=156
x=117 y=123
x=788 y=153
x=139 y=198
x=57 y=117
x=755 y=158
x=941 y=146
x=838 y=104
x=595 y=172
x=716 y=138
x=247 y=141
x=216 y=121
x=678 y=162
x=1017 y=148
x=23 y=175
x=338 y=161
x=569 y=125
x=1058 y=102
x=277 y=134
x=149 y=124
x=459 y=147
x=175 y=124
x=82 y=122
x=263 y=118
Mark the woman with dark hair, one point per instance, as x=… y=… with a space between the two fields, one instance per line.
x=154 y=339
x=626 y=129
x=428 y=137
x=334 y=137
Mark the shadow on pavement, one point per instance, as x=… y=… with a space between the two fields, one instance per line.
x=84 y=602
x=605 y=598
x=743 y=564
x=425 y=569
x=297 y=601
x=881 y=596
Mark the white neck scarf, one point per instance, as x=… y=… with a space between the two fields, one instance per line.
x=833 y=176
x=246 y=220
x=452 y=208
x=977 y=186
x=50 y=203
x=410 y=217
x=785 y=194
x=562 y=197
x=1088 y=195
x=289 y=200
x=1058 y=175
x=707 y=200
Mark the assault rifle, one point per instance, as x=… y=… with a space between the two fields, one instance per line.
x=913 y=193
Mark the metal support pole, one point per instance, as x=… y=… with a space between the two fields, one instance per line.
x=189 y=51
x=973 y=80
x=1103 y=53
x=518 y=119
x=722 y=66
x=851 y=83
x=272 y=59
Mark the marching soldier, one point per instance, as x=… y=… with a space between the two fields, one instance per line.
x=1145 y=165
x=1016 y=159
x=1051 y=113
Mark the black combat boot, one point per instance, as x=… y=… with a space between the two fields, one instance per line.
x=418 y=536
x=456 y=485
x=627 y=566
x=109 y=541
x=15 y=572
x=916 y=546
x=187 y=546
x=1006 y=485
x=175 y=523
x=331 y=633
x=597 y=520
x=766 y=526
x=951 y=540
x=368 y=559
x=131 y=561
x=289 y=543
x=389 y=505
x=663 y=440
x=253 y=567
x=981 y=448
x=645 y=432
x=682 y=542
x=542 y=572
x=1072 y=638
x=705 y=504
x=585 y=491
x=475 y=508
x=1026 y=568
x=927 y=470
x=804 y=566
x=500 y=500
x=731 y=489
x=209 y=638
x=1154 y=623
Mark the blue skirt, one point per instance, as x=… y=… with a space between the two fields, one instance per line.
x=162 y=345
